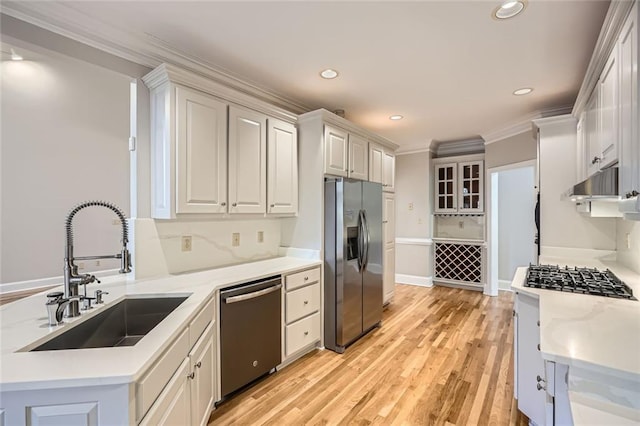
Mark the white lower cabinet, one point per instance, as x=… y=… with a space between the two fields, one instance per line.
x=202 y=377
x=389 y=259
x=540 y=386
x=173 y=406
x=302 y=298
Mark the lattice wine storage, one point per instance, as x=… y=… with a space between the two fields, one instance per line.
x=458 y=263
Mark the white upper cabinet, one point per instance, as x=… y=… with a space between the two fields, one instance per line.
x=471 y=188
x=282 y=168
x=376 y=158
x=388 y=171
x=335 y=151
x=201 y=129
x=592 y=137
x=358 y=158
x=608 y=111
x=629 y=115
x=459 y=186
x=247 y=161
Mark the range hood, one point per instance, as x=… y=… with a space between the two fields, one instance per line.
x=601 y=186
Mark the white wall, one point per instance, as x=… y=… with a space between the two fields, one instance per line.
x=561 y=225
x=65 y=126
x=516 y=223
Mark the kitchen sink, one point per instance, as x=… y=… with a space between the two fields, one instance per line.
x=123 y=324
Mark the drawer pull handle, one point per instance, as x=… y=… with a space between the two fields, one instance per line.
x=191 y=376
x=306 y=278
x=538 y=346
x=306 y=302
x=199 y=364
x=540 y=387
x=306 y=333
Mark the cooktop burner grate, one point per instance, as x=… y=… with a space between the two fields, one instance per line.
x=578 y=280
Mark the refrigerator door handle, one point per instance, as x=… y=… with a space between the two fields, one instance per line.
x=367 y=239
x=360 y=243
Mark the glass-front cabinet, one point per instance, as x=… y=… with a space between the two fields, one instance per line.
x=470 y=190
x=446 y=188
x=459 y=187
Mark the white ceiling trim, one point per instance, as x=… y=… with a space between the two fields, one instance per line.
x=150 y=52
x=523 y=125
x=415 y=148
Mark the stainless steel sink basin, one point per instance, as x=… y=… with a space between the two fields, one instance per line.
x=123 y=324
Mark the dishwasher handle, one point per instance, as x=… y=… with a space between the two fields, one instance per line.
x=252 y=295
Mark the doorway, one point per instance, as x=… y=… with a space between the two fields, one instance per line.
x=512 y=229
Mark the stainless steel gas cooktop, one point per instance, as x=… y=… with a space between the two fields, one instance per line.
x=578 y=280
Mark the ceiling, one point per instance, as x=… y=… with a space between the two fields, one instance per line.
x=447 y=66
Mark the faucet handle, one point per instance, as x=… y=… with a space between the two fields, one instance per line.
x=96 y=279
x=54 y=296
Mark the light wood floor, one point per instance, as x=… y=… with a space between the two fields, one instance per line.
x=442 y=356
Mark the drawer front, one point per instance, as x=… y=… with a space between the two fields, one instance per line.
x=302 y=333
x=200 y=322
x=150 y=386
x=302 y=302
x=300 y=279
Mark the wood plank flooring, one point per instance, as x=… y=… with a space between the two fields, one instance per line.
x=442 y=356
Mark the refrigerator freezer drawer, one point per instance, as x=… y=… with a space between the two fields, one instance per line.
x=302 y=302
x=302 y=278
x=302 y=333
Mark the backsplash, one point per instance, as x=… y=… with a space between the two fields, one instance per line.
x=471 y=227
x=158 y=244
x=629 y=257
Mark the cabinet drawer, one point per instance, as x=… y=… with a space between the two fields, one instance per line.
x=200 y=322
x=302 y=278
x=150 y=386
x=302 y=333
x=302 y=302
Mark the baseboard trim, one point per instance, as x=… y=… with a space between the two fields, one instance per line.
x=417 y=280
x=504 y=285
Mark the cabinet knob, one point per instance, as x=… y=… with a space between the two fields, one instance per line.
x=273 y=205
x=306 y=302
x=351 y=171
x=538 y=323
x=223 y=204
x=306 y=333
x=596 y=160
x=199 y=364
x=540 y=387
x=306 y=278
x=234 y=204
x=540 y=379
x=191 y=376
x=538 y=346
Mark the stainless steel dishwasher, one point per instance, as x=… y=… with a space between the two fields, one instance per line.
x=250 y=332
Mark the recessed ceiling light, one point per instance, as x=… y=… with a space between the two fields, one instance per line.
x=329 y=73
x=509 y=9
x=15 y=56
x=396 y=117
x=523 y=91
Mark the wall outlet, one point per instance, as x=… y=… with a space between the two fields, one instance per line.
x=461 y=224
x=97 y=263
x=410 y=206
x=186 y=243
x=261 y=236
x=235 y=239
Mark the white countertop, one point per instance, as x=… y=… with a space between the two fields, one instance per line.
x=598 y=338
x=23 y=324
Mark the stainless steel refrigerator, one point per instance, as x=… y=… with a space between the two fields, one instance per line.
x=353 y=261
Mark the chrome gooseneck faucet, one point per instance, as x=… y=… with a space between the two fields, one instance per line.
x=71 y=277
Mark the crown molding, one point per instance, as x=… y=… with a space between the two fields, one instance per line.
x=523 y=124
x=551 y=121
x=148 y=51
x=415 y=148
x=462 y=147
x=611 y=27
x=330 y=118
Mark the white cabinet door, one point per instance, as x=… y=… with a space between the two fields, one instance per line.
x=389 y=218
x=388 y=171
x=282 y=168
x=247 y=161
x=591 y=129
x=608 y=109
x=173 y=406
x=581 y=169
x=530 y=364
x=446 y=188
x=629 y=116
x=389 y=273
x=358 y=158
x=335 y=151
x=202 y=359
x=201 y=131
x=376 y=158
x=471 y=188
